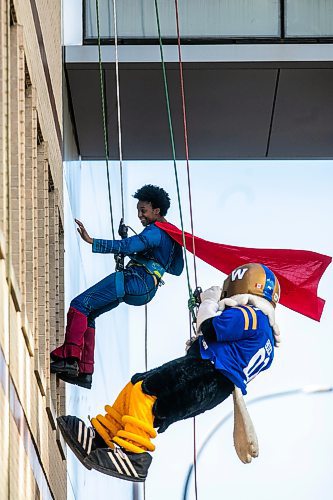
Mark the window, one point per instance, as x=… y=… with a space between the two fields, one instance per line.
x=199 y=19
x=202 y=21
x=309 y=18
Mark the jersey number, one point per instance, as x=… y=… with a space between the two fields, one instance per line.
x=256 y=364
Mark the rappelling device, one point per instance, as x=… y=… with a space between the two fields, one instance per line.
x=119 y=257
x=193 y=303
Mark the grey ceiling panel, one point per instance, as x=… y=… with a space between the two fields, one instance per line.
x=303 y=119
x=84 y=88
x=145 y=130
x=229 y=111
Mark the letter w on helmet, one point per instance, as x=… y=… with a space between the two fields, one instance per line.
x=255 y=279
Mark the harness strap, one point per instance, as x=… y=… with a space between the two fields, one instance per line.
x=151 y=266
x=120 y=287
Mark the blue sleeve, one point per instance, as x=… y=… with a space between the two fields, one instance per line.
x=149 y=238
x=235 y=323
x=178 y=262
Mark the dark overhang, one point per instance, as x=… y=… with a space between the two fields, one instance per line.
x=243 y=101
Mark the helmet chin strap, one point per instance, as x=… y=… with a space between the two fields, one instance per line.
x=264 y=305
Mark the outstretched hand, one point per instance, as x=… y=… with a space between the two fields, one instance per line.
x=213 y=293
x=83 y=232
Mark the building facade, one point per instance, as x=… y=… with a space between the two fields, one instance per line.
x=31 y=256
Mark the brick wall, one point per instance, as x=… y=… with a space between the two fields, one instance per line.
x=31 y=249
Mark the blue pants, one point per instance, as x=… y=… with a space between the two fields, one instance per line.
x=134 y=286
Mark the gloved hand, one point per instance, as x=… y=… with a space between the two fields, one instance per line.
x=190 y=342
x=213 y=293
x=209 y=304
x=227 y=302
x=122 y=229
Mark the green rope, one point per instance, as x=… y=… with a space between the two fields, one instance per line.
x=105 y=132
x=173 y=152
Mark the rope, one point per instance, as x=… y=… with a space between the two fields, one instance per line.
x=118 y=109
x=191 y=215
x=135 y=485
x=186 y=138
x=176 y=177
x=146 y=337
x=195 y=458
x=194 y=466
x=105 y=132
x=166 y=90
x=146 y=369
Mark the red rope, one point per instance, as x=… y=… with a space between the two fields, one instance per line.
x=195 y=459
x=194 y=445
x=191 y=215
x=186 y=138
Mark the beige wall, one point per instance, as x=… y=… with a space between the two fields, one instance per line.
x=31 y=249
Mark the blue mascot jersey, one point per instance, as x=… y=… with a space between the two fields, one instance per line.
x=244 y=345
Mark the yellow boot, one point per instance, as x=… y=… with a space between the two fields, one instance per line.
x=110 y=424
x=137 y=423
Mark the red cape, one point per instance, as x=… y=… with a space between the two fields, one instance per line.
x=298 y=271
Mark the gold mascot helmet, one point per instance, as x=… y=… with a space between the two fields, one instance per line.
x=255 y=279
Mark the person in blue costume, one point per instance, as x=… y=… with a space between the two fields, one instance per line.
x=235 y=341
x=152 y=253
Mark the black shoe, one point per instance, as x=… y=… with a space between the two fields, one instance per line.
x=120 y=463
x=80 y=438
x=66 y=366
x=83 y=379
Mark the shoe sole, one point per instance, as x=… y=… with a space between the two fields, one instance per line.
x=71 y=443
x=72 y=380
x=70 y=373
x=108 y=472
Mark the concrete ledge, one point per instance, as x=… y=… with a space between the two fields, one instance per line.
x=50 y=410
x=202 y=53
x=15 y=291
x=41 y=381
x=27 y=334
x=61 y=444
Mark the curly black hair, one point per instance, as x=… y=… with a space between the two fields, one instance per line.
x=156 y=196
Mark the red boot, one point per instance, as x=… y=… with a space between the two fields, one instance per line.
x=86 y=364
x=85 y=368
x=72 y=347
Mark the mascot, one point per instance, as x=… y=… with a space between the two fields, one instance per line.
x=236 y=336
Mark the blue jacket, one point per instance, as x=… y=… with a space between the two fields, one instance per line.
x=152 y=243
x=244 y=346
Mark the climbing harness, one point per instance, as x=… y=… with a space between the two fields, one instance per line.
x=151 y=266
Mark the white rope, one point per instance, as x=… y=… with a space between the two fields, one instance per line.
x=118 y=107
